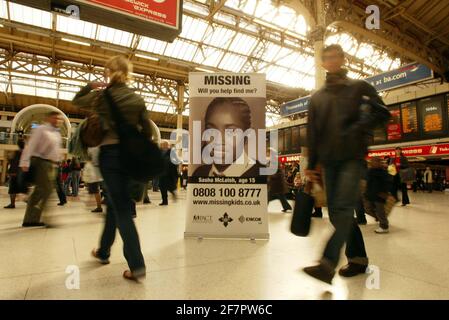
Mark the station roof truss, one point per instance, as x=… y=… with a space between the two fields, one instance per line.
x=51 y=54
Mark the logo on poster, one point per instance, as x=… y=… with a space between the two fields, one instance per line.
x=226 y=219
x=202 y=219
x=243 y=219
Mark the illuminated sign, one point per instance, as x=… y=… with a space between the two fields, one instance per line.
x=289 y=158
x=425 y=150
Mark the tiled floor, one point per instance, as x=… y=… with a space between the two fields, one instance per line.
x=412 y=261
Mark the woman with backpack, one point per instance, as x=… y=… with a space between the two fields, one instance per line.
x=119 y=202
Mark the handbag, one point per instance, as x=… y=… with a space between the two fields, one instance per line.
x=92 y=132
x=302 y=213
x=25 y=179
x=392 y=170
x=389 y=204
x=140 y=157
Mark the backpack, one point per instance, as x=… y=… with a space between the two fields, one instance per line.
x=140 y=157
x=92 y=131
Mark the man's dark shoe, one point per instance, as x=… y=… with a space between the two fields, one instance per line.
x=317 y=214
x=10 y=206
x=163 y=204
x=146 y=201
x=320 y=272
x=61 y=203
x=352 y=270
x=33 y=224
x=97 y=210
x=362 y=221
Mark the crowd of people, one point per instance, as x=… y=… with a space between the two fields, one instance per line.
x=39 y=162
x=334 y=162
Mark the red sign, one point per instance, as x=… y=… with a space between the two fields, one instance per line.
x=425 y=150
x=164 y=12
x=289 y=158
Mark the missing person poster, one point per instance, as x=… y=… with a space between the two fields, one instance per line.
x=227 y=190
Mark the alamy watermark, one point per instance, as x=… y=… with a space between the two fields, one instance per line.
x=373 y=20
x=72 y=282
x=373 y=280
x=233 y=146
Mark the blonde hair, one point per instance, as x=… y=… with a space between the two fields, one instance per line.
x=119 y=69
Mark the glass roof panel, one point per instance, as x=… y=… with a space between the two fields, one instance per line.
x=64 y=95
x=24 y=89
x=208 y=56
x=114 y=36
x=220 y=37
x=152 y=45
x=76 y=27
x=193 y=28
x=3 y=9
x=181 y=49
x=30 y=15
x=194 y=7
x=226 y=18
x=243 y=44
x=232 y=62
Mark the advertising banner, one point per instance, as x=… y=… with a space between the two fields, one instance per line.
x=404 y=76
x=227 y=190
x=165 y=12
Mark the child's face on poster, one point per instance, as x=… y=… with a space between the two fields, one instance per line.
x=225 y=116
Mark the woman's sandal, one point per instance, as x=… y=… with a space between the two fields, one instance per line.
x=128 y=275
x=94 y=254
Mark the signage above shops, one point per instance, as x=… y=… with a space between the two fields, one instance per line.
x=415 y=151
x=290 y=158
x=295 y=106
x=404 y=76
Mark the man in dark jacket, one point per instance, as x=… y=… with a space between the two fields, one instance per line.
x=277 y=189
x=169 y=178
x=377 y=189
x=341 y=117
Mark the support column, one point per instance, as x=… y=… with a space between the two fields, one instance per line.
x=180 y=110
x=318 y=36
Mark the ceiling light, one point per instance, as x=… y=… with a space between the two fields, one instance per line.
x=201 y=69
x=146 y=57
x=75 y=41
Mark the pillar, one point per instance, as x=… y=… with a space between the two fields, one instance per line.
x=320 y=73
x=179 y=109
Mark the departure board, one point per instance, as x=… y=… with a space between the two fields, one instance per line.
x=431 y=110
x=296 y=144
x=288 y=140
x=281 y=141
x=394 y=131
x=447 y=104
x=409 y=118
